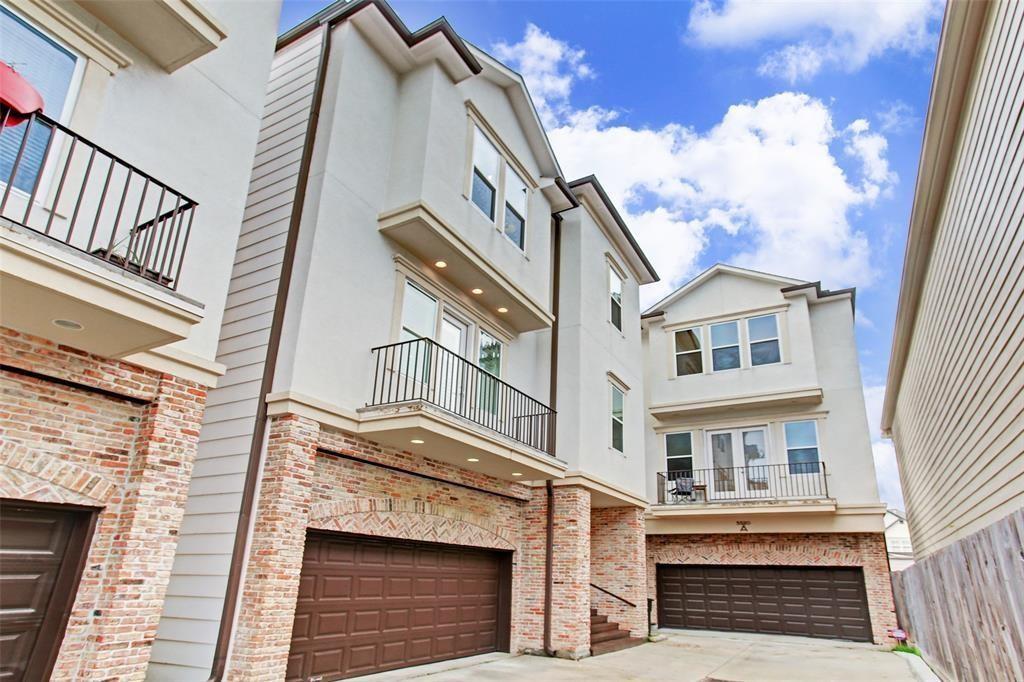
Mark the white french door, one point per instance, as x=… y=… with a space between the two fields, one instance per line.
x=739 y=463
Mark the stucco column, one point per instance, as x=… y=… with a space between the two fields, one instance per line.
x=149 y=516
x=271 y=582
x=570 y=610
x=618 y=564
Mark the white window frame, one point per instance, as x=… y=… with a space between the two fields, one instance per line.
x=614 y=271
x=612 y=387
x=750 y=343
x=693 y=450
x=698 y=332
x=506 y=170
x=712 y=347
x=505 y=165
x=787 y=447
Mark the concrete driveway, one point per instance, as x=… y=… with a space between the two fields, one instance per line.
x=687 y=655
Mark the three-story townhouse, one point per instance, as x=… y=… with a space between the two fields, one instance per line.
x=765 y=514
x=124 y=160
x=372 y=481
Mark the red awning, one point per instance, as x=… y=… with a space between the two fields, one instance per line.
x=17 y=97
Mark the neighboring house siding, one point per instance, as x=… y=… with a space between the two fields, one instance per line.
x=959 y=416
x=188 y=630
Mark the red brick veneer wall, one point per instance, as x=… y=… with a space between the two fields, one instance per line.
x=618 y=563
x=866 y=550
x=131 y=460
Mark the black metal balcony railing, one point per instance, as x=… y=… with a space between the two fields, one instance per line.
x=423 y=370
x=804 y=480
x=57 y=183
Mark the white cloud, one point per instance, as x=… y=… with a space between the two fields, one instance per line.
x=897 y=117
x=886 y=468
x=843 y=35
x=766 y=174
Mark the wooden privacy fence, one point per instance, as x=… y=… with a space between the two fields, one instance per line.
x=964 y=605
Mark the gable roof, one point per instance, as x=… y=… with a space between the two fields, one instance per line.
x=717 y=269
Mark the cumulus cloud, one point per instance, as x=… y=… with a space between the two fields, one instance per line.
x=897 y=117
x=886 y=469
x=843 y=35
x=769 y=174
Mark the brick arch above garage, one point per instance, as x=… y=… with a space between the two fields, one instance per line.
x=38 y=476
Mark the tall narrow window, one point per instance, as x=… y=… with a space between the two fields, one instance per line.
x=764 y=340
x=802 y=447
x=679 y=455
x=725 y=346
x=486 y=164
x=618 y=399
x=489 y=389
x=688 y=353
x=615 y=296
x=50 y=69
x=515 y=208
x=419 y=314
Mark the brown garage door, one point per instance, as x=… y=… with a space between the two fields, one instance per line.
x=814 y=602
x=368 y=604
x=41 y=548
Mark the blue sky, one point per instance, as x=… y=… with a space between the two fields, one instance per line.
x=782 y=136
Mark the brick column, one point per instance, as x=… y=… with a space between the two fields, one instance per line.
x=878 y=583
x=271 y=582
x=570 y=618
x=618 y=564
x=147 y=522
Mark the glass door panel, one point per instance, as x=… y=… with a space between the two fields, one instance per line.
x=723 y=478
x=755 y=459
x=451 y=368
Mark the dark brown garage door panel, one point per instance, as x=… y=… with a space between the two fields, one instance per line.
x=368 y=604
x=811 y=601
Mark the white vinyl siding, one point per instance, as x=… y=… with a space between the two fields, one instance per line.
x=959 y=417
x=185 y=641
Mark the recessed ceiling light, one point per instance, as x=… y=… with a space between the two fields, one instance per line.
x=441 y=264
x=478 y=291
x=70 y=325
x=472 y=459
x=502 y=310
x=516 y=473
x=417 y=441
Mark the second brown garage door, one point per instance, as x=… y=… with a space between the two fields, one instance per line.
x=790 y=600
x=368 y=604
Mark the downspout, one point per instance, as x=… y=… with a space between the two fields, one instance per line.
x=273 y=346
x=549 y=549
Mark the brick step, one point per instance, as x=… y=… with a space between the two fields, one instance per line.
x=602 y=627
x=608 y=635
x=596 y=649
x=593 y=612
x=598 y=619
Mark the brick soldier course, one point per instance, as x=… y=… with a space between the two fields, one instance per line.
x=84 y=430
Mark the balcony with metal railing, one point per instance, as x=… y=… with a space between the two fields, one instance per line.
x=755 y=484
x=429 y=400
x=90 y=243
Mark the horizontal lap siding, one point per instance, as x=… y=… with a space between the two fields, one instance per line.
x=959 y=422
x=188 y=629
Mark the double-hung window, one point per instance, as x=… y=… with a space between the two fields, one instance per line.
x=52 y=71
x=802 y=447
x=688 y=352
x=515 y=208
x=618 y=401
x=615 y=297
x=763 y=332
x=486 y=166
x=679 y=455
x=725 y=346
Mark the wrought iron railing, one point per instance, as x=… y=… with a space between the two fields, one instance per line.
x=421 y=369
x=794 y=481
x=57 y=183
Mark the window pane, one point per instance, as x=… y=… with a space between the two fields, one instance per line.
x=617 y=435
x=419 y=313
x=483 y=194
x=725 y=334
x=764 y=353
x=617 y=403
x=678 y=445
x=803 y=461
x=616 y=314
x=761 y=328
x=515 y=192
x=725 y=358
x=490 y=354
x=48 y=67
x=615 y=285
x=689 y=363
x=721 y=459
x=687 y=339
x=680 y=464
x=801 y=435
x=485 y=158
x=514 y=226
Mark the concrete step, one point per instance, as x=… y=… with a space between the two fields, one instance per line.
x=608 y=635
x=602 y=627
x=598 y=619
x=606 y=647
